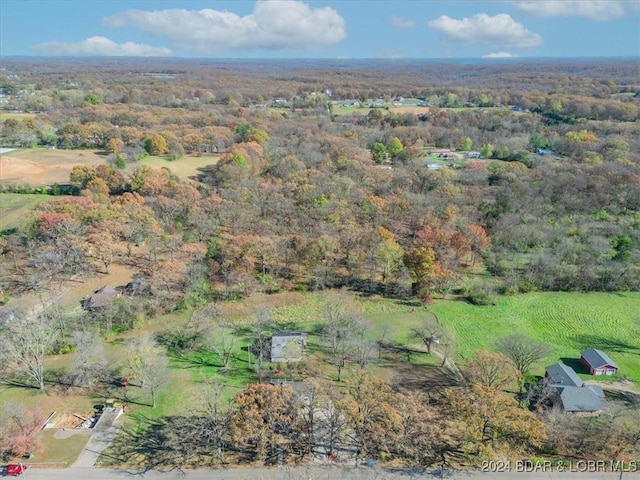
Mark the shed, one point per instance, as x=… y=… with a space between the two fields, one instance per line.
x=598 y=362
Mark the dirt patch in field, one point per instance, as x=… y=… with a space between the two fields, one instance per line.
x=409 y=109
x=43 y=167
x=70 y=419
x=624 y=391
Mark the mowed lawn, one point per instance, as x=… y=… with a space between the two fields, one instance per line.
x=16 y=209
x=569 y=322
x=185 y=168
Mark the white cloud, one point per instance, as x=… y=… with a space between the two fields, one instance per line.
x=601 y=10
x=500 y=55
x=500 y=30
x=101 y=46
x=275 y=24
x=400 y=22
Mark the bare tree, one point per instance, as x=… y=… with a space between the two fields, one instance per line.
x=491 y=369
x=342 y=328
x=147 y=362
x=222 y=340
x=342 y=334
x=364 y=351
x=89 y=362
x=27 y=341
x=429 y=333
x=522 y=350
x=261 y=339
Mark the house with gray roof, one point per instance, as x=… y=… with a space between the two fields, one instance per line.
x=560 y=374
x=570 y=392
x=586 y=400
x=598 y=362
x=101 y=298
x=288 y=346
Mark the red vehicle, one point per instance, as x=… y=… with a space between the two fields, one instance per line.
x=15 y=469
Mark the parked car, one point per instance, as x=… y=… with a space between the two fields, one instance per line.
x=15 y=469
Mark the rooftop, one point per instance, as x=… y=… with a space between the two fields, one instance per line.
x=560 y=374
x=597 y=358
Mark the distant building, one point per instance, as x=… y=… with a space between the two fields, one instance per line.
x=598 y=362
x=101 y=298
x=288 y=346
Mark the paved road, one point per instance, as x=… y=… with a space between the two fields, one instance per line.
x=302 y=473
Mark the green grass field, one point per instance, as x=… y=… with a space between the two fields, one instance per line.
x=185 y=168
x=16 y=209
x=60 y=452
x=569 y=322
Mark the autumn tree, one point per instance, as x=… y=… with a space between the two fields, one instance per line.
x=389 y=255
x=156 y=145
x=266 y=421
x=370 y=411
x=114 y=145
x=394 y=148
x=490 y=423
x=420 y=439
x=492 y=370
x=20 y=430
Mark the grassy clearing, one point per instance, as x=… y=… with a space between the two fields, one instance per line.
x=185 y=168
x=15 y=116
x=569 y=322
x=16 y=209
x=41 y=166
x=60 y=451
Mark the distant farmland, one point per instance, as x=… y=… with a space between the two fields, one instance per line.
x=43 y=167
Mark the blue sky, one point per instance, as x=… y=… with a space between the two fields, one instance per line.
x=321 y=29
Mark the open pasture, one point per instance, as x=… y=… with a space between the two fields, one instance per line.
x=186 y=168
x=15 y=209
x=569 y=322
x=41 y=167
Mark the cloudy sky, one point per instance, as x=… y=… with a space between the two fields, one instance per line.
x=321 y=29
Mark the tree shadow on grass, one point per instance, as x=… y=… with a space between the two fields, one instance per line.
x=575 y=364
x=12 y=382
x=169 y=443
x=607 y=345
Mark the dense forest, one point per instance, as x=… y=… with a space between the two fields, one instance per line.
x=405 y=180
x=303 y=197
